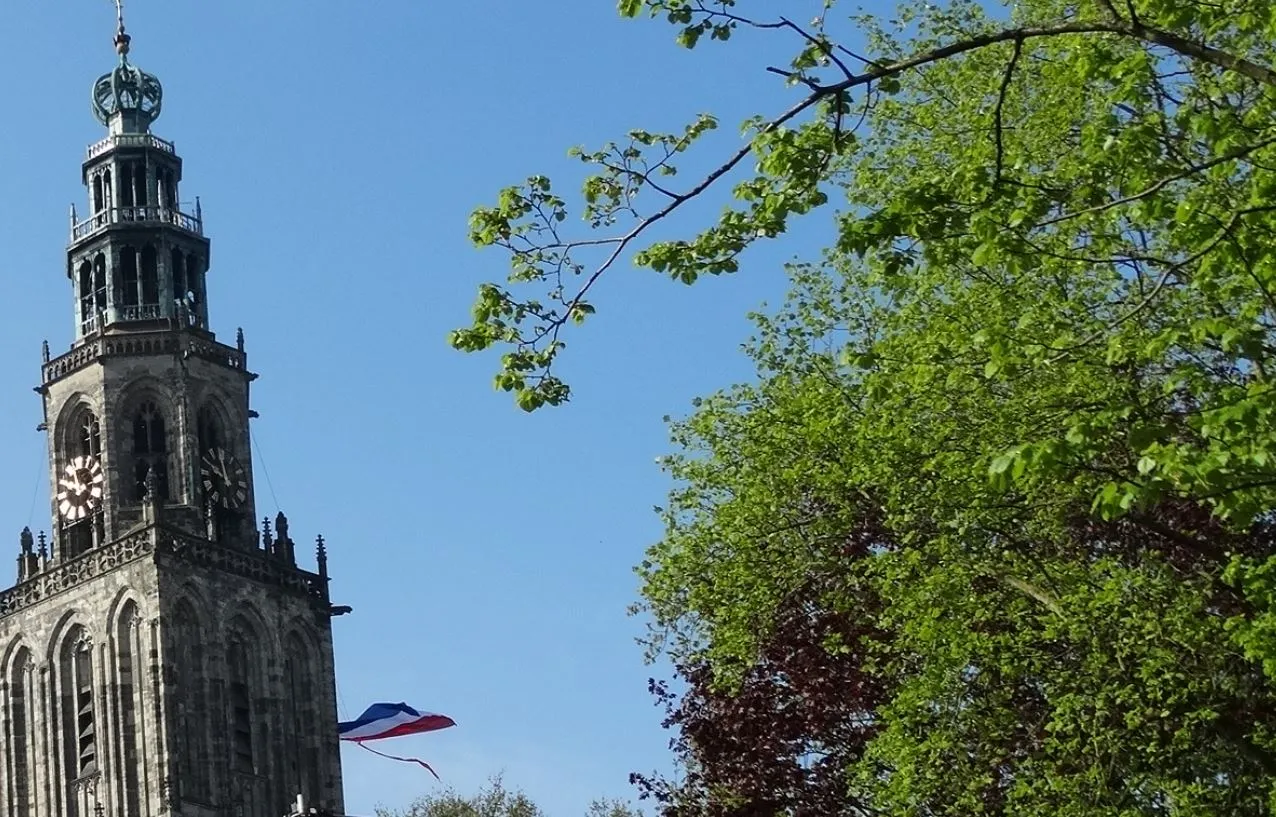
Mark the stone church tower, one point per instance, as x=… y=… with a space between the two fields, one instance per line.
x=160 y=654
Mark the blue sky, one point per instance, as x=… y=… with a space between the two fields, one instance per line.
x=338 y=149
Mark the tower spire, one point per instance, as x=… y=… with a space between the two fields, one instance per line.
x=122 y=39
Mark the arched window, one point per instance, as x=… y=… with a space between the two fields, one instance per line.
x=20 y=717
x=86 y=290
x=128 y=653
x=128 y=276
x=150 y=450
x=99 y=281
x=108 y=192
x=187 y=645
x=92 y=281
x=150 y=276
x=140 y=194
x=302 y=755
x=86 y=436
x=79 y=714
x=97 y=193
x=126 y=184
x=241 y=716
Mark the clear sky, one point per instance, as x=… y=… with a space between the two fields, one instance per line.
x=338 y=148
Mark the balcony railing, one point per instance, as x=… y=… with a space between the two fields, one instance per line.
x=130 y=140
x=104 y=318
x=139 y=215
x=145 y=312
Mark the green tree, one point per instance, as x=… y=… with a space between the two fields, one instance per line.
x=840 y=575
x=1016 y=424
x=495 y=800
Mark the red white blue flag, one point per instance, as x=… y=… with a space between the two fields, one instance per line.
x=391 y=721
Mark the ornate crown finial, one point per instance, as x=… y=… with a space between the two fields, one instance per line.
x=127 y=100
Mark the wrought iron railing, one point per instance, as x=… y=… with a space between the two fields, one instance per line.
x=145 y=214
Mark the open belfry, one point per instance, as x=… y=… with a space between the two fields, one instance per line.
x=162 y=652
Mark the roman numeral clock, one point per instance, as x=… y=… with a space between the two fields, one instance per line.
x=224 y=478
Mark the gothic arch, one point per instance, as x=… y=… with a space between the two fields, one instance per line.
x=129 y=698
x=249 y=620
x=212 y=411
x=71 y=619
x=78 y=717
x=19 y=717
x=16 y=646
x=245 y=684
x=126 y=596
x=192 y=596
x=187 y=635
x=139 y=391
x=79 y=433
x=148 y=438
x=301 y=711
x=71 y=408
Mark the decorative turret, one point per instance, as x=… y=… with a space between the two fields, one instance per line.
x=137 y=260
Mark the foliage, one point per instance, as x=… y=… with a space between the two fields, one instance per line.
x=992 y=533
x=867 y=624
x=494 y=800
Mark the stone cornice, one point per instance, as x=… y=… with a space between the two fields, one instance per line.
x=152 y=542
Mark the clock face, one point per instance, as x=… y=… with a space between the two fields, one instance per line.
x=80 y=489
x=225 y=482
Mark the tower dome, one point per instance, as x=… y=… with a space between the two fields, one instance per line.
x=127 y=100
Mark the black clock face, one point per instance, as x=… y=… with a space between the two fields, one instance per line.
x=225 y=482
x=80 y=489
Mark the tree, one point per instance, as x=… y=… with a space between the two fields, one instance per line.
x=1010 y=459
x=867 y=624
x=495 y=800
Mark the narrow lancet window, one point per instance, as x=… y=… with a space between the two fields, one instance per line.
x=126 y=184
x=128 y=276
x=79 y=717
x=240 y=707
x=150 y=450
x=150 y=276
x=139 y=185
x=19 y=717
x=177 y=262
x=129 y=771
x=86 y=293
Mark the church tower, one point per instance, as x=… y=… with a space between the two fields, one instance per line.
x=160 y=653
